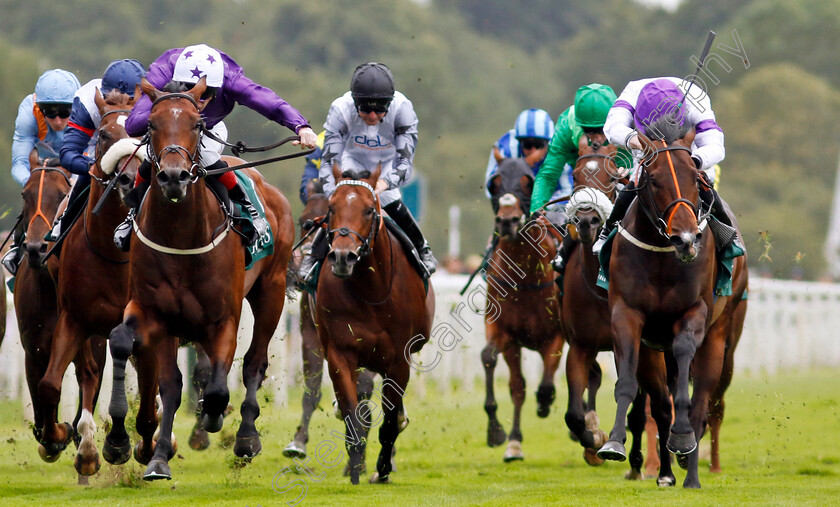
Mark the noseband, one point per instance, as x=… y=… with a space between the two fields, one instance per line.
x=196 y=171
x=662 y=221
x=366 y=242
x=38 y=211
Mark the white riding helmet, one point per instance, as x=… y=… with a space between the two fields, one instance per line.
x=200 y=61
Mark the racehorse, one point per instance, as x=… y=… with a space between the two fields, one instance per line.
x=34 y=292
x=372 y=312
x=188 y=279
x=91 y=285
x=662 y=278
x=584 y=309
x=520 y=281
x=313 y=353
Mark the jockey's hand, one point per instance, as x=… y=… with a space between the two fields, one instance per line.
x=52 y=162
x=536 y=156
x=497 y=155
x=634 y=143
x=381 y=186
x=308 y=138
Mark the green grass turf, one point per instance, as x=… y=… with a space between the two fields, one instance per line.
x=780 y=445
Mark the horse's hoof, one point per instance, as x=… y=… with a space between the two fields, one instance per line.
x=573 y=437
x=496 y=435
x=513 y=452
x=199 y=439
x=138 y=453
x=667 y=481
x=50 y=451
x=693 y=484
x=633 y=475
x=375 y=479
x=543 y=411
x=157 y=469
x=87 y=467
x=591 y=457
x=295 y=449
x=362 y=471
x=213 y=424
x=402 y=421
x=682 y=461
x=116 y=454
x=247 y=447
x=682 y=443
x=599 y=438
x=613 y=451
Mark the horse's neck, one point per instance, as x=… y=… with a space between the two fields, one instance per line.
x=187 y=223
x=113 y=212
x=521 y=258
x=637 y=222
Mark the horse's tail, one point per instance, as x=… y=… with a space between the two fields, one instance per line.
x=292 y=279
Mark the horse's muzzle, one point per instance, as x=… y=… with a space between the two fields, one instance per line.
x=342 y=262
x=687 y=245
x=508 y=227
x=35 y=253
x=174 y=186
x=587 y=227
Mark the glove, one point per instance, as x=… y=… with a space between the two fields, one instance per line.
x=52 y=162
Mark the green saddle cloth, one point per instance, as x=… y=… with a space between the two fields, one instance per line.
x=725 y=259
x=265 y=244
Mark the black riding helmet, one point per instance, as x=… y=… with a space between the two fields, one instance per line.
x=372 y=82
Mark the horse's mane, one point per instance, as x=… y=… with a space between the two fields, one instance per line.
x=666 y=128
x=117 y=98
x=175 y=87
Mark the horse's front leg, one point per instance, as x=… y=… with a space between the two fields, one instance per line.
x=220 y=347
x=690 y=330
x=495 y=431
x=89 y=364
x=626 y=324
x=513 y=358
x=199 y=439
x=342 y=368
x=393 y=391
x=551 y=354
x=578 y=364
x=170 y=384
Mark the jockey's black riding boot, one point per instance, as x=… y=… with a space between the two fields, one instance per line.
x=559 y=262
x=722 y=229
x=11 y=260
x=122 y=234
x=238 y=194
x=400 y=213
x=622 y=203
x=68 y=216
x=316 y=254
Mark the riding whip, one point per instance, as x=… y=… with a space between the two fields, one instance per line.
x=700 y=63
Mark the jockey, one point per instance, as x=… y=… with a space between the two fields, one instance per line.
x=83 y=130
x=639 y=105
x=227 y=85
x=312 y=167
x=586 y=116
x=528 y=140
x=372 y=124
x=40 y=126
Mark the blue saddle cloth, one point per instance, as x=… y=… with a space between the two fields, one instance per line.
x=725 y=259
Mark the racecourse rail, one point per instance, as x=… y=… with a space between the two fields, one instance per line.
x=790 y=325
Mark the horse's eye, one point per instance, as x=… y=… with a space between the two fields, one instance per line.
x=369 y=211
x=104 y=135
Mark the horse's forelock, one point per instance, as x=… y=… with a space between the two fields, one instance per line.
x=117 y=98
x=175 y=87
x=667 y=128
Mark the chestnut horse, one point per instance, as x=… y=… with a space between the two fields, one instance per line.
x=520 y=281
x=372 y=312
x=584 y=309
x=35 y=293
x=662 y=280
x=91 y=287
x=188 y=279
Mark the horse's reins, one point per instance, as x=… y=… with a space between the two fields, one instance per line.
x=658 y=219
x=38 y=211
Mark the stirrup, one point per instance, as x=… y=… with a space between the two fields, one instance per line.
x=11 y=261
x=599 y=244
x=122 y=234
x=428 y=259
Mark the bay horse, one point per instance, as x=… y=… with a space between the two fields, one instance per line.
x=91 y=286
x=666 y=319
x=584 y=309
x=36 y=308
x=372 y=311
x=188 y=280
x=521 y=281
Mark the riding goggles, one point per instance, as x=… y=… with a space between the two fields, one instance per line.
x=373 y=105
x=530 y=144
x=52 y=110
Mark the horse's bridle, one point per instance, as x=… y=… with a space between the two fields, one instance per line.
x=196 y=171
x=38 y=211
x=597 y=146
x=366 y=242
x=662 y=220
x=100 y=152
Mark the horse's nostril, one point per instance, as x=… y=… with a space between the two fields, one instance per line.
x=123 y=180
x=498 y=220
x=163 y=178
x=183 y=176
x=43 y=248
x=352 y=258
x=332 y=256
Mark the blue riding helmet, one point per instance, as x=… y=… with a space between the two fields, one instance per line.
x=122 y=75
x=535 y=124
x=56 y=86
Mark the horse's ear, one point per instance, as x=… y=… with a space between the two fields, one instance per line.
x=497 y=154
x=647 y=145
x=527 y=184
x=495 y=184
x=197 y=90
x=149 y=89
x=99 y=100
x=137 y=93
x=336 y=172
x=689 y=136
x=375 y=176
